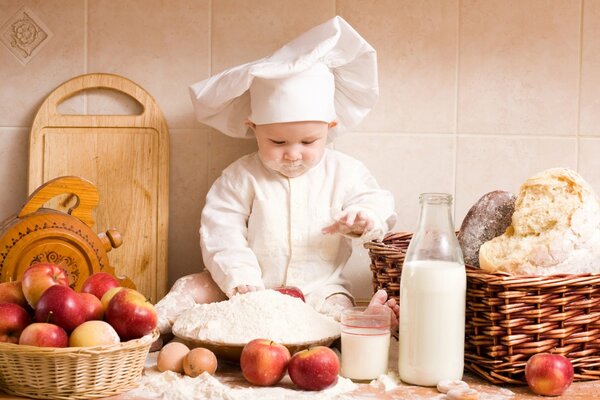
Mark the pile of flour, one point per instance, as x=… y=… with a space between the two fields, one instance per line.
x=172 y=386
x=265 y=314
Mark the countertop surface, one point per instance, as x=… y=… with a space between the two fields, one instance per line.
x=230 y=384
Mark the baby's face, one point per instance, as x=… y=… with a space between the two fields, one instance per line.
x=291 y=148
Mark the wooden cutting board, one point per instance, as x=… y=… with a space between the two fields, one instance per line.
x=127 y=158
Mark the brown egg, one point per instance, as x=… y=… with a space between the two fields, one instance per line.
x=170 y=357
x=199 y=360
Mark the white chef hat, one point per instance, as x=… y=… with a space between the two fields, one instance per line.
x=328 y=73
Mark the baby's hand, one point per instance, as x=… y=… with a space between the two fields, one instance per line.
x=242 y=289
x=350 y=221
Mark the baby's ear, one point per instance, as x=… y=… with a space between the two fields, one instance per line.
x=332 y=124
x=250 y=124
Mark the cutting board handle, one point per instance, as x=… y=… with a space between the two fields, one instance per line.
x=85 y=191
x=150 y=112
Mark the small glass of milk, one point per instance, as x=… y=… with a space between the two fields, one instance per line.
x=365 y=342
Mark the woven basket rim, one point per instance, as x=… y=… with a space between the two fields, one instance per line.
x=37 y=350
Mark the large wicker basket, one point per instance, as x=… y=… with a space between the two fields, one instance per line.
x=510 y=318
x=72 y=373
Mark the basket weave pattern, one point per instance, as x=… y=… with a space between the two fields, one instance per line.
x=510 y=318
x=72 y=372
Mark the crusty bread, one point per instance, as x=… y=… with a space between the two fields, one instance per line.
x=555 y=229
x=486 y=219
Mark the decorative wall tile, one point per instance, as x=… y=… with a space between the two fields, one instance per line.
x=24 y=34
x=23 y=87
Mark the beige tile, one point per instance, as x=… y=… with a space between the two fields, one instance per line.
x=416 y=48
x=244 y=31
x=224 y=150
x=14 y=150
x=24 y=87
x=589 y=162
x=406 y=165
x=162 y=46
x=589 y=109
x=188 y=187
x=519 y=66
x=504 y=163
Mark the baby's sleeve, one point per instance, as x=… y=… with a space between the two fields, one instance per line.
x=223 y=235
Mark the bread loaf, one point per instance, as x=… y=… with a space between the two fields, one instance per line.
x=555 y=229
x=488 y=218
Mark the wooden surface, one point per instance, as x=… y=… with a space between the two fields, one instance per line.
x=38 y=234
x=230 y=375
x=127 y=158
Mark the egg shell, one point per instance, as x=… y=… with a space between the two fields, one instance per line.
x=170 y=357
x=199 y=360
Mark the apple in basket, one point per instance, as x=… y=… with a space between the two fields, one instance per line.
x=315 y=368
x=92 y=306
x=548 y=374
x=12 y=292
x=99 y=283
x=43 y=334
x=39 y=277
x=93 y=333
x=291 y=291
x=13 y=319
x=62 y=306
x=264 y=362
x=131 y=314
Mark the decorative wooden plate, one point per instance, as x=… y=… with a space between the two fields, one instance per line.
x=38 y=234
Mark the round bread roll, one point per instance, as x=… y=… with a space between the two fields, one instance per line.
x=445 y=385
x=555 y=229
x=488 y=218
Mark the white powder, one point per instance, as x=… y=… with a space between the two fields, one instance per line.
x=172 y=386
x=265 y=314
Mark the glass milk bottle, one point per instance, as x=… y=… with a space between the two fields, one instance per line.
x=432 y=298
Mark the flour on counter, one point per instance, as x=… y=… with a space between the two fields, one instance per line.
x=262 y=314
x=386 y=382
x=173 y=386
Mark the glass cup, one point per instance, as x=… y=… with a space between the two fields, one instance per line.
x=365 y=342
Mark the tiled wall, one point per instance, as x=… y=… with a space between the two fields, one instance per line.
x=476 y=95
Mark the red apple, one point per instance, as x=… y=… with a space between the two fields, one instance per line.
x=264 y=362
x=131 y=314
x=99 y=283
x=92 y=306
x=39 y=277
x=13 y=319
x=315 y=368
x=549 y=374
x=93 y=333
x=44 y=335
x=62 y=306
x=107 y=297
x=291 y=291
x=12 y=292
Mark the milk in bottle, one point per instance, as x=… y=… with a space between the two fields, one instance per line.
x=432 y=298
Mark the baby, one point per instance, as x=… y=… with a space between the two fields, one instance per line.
x=287 y=214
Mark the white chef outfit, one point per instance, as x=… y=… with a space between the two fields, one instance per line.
x=263 y=229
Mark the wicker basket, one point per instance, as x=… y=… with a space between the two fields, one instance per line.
x=510 y=318
x=72 y=373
